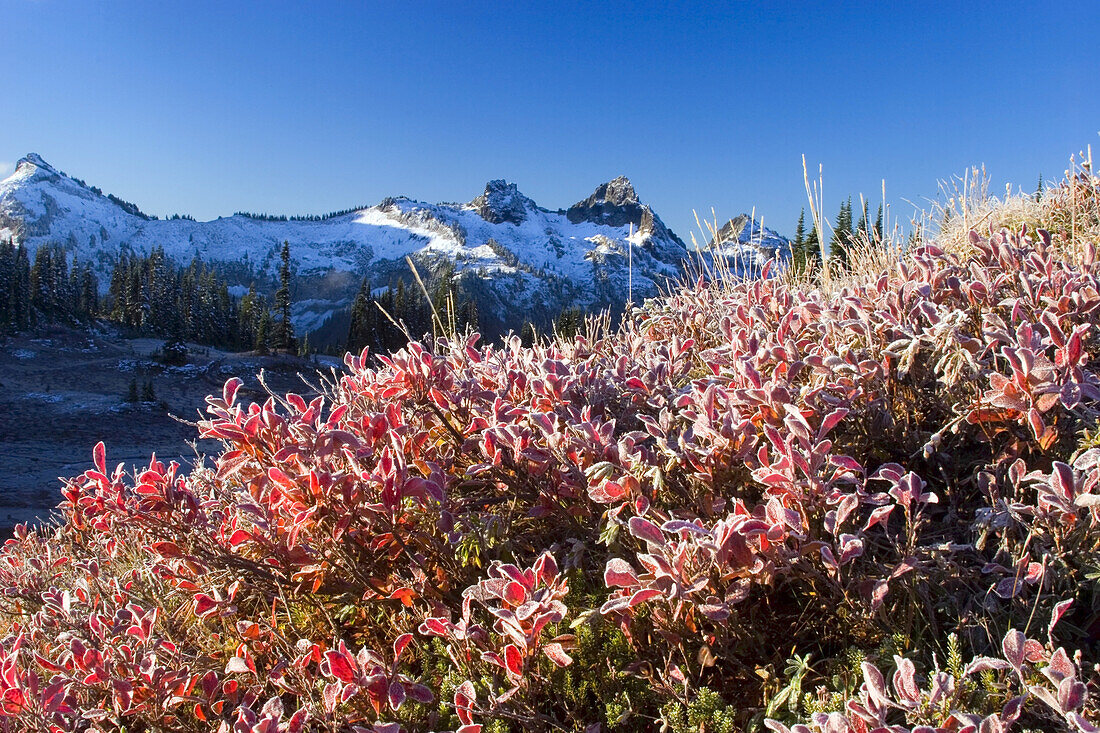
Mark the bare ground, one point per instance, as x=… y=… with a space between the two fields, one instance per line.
x=62 y=390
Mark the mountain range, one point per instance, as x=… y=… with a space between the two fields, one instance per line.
x=521 y=261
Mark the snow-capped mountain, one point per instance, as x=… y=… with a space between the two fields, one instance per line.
x=748 y=245
x=522 y=261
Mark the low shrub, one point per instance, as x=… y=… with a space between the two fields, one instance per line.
x=758 y=503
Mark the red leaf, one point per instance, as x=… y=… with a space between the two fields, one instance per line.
x=1071 y=694
x=878 y=516
x=619 y=573
x=905 y=680
x=513 y=660
x=435 y=627
x=281 y=478
x=229 y=390
x=1059 y=611
x=546 y=568
x=646 y=530
x=1013 y=646
x=875 y=685
x=236 y=664
x=831 y=421
x=99 y=456
x=399 y=645
x=339 y=666
x=1073 y=348
x=248 y=630
x=405 y=595
x=239 y=537
x=46 y=664
x=204 y=605
x=514 y=593
x=167 y=549
x=644 y=595
x=606 y=493
x=465 y=697
x=420 y=693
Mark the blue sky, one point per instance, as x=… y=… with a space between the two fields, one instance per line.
x=210 y=107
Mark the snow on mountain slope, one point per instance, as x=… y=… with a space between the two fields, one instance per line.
x=748 y=245
x=523 y=261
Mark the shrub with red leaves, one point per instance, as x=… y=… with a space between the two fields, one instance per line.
x=745 y=472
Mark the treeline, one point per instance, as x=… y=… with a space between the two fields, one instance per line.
x=568 y=323
x=152 y=294
x=129 y=208
x=381 y=320
x=806 y=249
x=47 y=290
x=148 y=295
x=301 y=217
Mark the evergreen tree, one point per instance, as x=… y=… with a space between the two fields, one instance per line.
x=7 y=286
x=1039 y=189
x=22 y=312
x=227 y=314
x=135 y=296
x=842 y=235
x=73 y=287
x=116 y=289
x=264 y=328
x=569 y=323
x=527 y=334
x=361 y=330
x=42 y=287
x=246 y=318
x=153 y=295
x=812 y=248
x=284 y=333
x=469 y=316
x=798 y=246
x=878 y=226
x=60 y=296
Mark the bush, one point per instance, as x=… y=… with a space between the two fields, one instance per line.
x=758 y=503
x=173 y=353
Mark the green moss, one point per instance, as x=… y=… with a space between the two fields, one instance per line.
x=706 y=711
x=597 y=680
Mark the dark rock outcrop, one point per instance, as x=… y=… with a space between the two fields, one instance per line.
x=502 y=202
x=613 y=203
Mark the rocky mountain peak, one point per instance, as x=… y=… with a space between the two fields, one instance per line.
x=746 y=230
x=36 y=160
x=502 y=202
x=732 y=230
x=617 y=192
x=746 y=239
x=614 y=203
